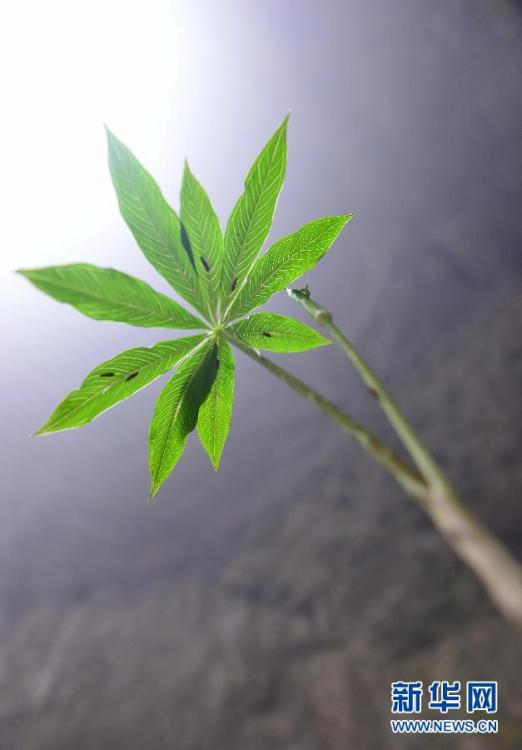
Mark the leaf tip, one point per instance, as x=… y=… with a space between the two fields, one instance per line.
x=342 y=220
x=322 y=340
x=108 y=133
x=281 y=131
x=114 y=145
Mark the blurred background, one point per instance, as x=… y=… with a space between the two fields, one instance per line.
x=268 y=606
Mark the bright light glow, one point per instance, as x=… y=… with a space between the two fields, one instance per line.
x=69 y=67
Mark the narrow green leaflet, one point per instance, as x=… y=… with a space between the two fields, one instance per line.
x=176 y=412
x=215 y=413
x=277 y=333
x=115 y=380
x=152 y=221
x=251 y=219
x=106 y=294
x=206 y=241
x=285 y=261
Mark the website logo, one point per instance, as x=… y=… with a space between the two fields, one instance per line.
x=444 y=696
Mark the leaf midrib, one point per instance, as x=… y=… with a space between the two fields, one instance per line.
x=214 y=417
x=275 y=335
x=164 y=240
x=243 y=243
x=92 y=295
x=113 y=384
x=176 y=410
x=273 y=271
x=110 y=386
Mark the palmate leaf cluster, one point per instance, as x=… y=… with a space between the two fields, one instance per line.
x=220 y=275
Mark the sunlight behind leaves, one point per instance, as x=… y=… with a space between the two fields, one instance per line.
x=69 y=67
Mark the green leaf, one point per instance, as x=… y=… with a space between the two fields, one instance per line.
x=215 y=413
x=251 y=218
x=106 y=294
x=153 y=222
x=115 y=380
x=204 y=233
x=176 y=412
x=277 y=333
x=285 y=261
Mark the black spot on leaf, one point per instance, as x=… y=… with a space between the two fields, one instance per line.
x=233 y=285
x=186 y=245
x=205 y=264
x=131 y=375
x=107 y=374
x=268 y=335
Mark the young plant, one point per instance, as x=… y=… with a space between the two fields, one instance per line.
x=219 y=276
x=223 y=278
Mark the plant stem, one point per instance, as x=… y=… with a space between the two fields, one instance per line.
x=411 y=441
x=499 y=572
x=405 y=475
